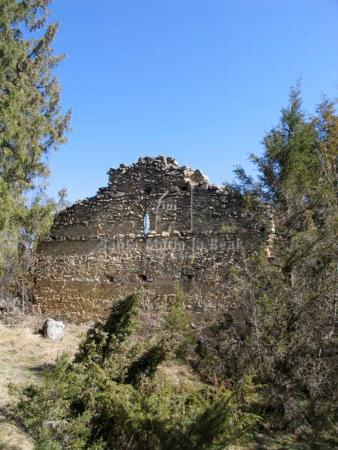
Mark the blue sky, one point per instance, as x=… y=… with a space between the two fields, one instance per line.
x=200 y=80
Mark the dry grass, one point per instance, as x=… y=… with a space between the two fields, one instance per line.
x=23 y=356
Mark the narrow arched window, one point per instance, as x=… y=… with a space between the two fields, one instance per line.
x=146 y=224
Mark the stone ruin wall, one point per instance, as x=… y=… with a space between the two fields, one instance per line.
x=97 y=250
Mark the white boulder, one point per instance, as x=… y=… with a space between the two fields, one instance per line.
x=53 y=329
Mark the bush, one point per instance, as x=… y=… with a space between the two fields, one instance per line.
x=105 y=400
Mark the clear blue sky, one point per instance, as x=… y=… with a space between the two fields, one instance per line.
x=200 y=80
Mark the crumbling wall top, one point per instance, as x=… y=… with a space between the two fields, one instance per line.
x=150 y=174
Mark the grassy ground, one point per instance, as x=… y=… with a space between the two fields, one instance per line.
x=24 y=354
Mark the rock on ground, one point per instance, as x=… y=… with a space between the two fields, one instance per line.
x=24 y=355
x=53 y=329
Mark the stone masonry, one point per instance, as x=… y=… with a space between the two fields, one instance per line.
x=156 y=225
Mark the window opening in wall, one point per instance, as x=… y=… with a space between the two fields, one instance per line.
x=146 y=224
x=147 y=190
x=143 y=277
x=110 y=278
x=188 y=276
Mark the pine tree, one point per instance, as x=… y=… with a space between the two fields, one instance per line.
x=31 y=120
x=292 y=294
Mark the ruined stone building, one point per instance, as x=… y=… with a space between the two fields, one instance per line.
x=155 y=225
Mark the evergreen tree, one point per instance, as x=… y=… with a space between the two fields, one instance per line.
x=291 y=292
x=31 y=120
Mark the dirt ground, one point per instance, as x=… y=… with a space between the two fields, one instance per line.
x=24 y=353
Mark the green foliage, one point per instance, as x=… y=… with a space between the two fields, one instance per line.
x=177 y=330
x=97 y=402
x=177 y=320
x=104 y=339
x=145 y=366
x=287 y=295
x=31 y=121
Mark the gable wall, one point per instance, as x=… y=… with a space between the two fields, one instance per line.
x=97 y=251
